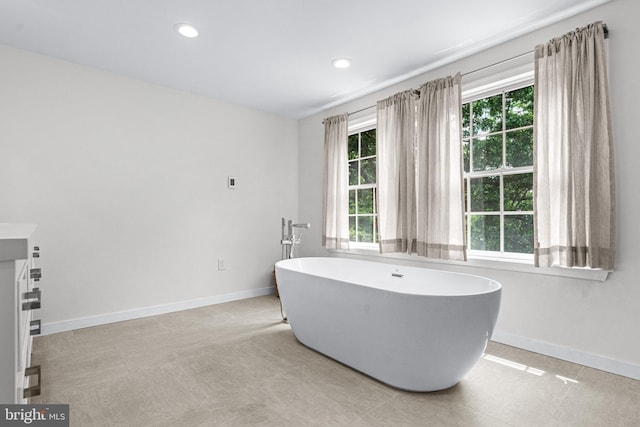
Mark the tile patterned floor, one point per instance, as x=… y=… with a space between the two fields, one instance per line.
x=236 y=364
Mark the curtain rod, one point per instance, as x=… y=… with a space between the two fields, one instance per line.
x=606 y=36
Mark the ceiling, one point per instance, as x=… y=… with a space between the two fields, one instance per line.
x=273 y=55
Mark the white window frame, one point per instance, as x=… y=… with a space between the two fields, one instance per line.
x=358 y=125
x=477 y=92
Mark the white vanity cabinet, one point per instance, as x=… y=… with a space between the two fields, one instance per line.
x=20 y=298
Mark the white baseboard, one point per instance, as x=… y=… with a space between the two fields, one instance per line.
x=602 y=363
x=103 y=319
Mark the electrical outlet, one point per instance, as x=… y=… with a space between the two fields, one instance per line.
x=221 y=265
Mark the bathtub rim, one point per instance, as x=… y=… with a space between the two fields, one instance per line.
x=492 y=284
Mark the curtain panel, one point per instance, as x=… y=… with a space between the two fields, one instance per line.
x=574 y=202
x=335 y=201
x=395 y=172
x=440 y=188
x=419 y=171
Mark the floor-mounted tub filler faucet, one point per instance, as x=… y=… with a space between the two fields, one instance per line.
x=288 y=241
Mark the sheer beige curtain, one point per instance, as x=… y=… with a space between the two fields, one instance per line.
x=335 y=203
x=440 y=191
x=395 y=139
x=574 y=167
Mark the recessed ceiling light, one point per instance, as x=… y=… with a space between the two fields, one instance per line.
x=341 y=63
x=186 y=30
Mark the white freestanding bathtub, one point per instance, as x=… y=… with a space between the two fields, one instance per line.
x=412 y=328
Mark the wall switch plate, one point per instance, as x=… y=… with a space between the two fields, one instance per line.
x=231 y=182
x=221 y=265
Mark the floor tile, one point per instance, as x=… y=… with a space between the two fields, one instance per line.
x=237 y=364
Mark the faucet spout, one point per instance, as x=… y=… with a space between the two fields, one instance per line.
x=301 y=225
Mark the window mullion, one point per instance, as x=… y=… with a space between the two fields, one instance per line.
x=504 y=163
x=359 y=186
x=375 y=210
x=471 y=138
x=501 y=213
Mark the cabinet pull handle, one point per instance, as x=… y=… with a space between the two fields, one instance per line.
x=35 y=293
x=32 y=305
x=36 y=254
x=35 y=389
x=35 y=273
x=35 y=327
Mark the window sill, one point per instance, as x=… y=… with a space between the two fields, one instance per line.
x=517 y=265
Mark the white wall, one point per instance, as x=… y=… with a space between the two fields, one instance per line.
x=586 y=321
x=128 y=184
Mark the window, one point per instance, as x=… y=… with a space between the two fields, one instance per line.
x=498 y=173
x=363 y=216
